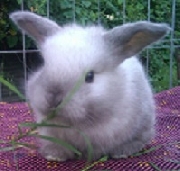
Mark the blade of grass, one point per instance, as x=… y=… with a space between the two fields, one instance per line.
x=90 y=149
x=72 y=92
x=147 y=151
x=30 y=146
x=103 y=159
x=11 y=87
x=154 y=148
x=14 y=154
x=60 y=142
x=29 y=132
x=154 y=166
x=33 y=124
x=65 y=101
x=19 y=130
x=174 y=161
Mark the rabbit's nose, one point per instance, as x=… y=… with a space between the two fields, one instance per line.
x=54 y=97
x=54 y=100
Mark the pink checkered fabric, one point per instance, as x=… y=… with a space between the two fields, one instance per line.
x=166 y=158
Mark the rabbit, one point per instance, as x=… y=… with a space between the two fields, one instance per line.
x=114 y=105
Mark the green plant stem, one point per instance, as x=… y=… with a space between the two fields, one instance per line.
x=103 y=159
x=154 y=166
x=11 y=87
x=154 y=148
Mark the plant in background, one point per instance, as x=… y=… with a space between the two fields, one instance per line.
x=110 y=14
x=8 y=33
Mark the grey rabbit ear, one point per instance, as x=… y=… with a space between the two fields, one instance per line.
x=130 y=39
x=34 y=25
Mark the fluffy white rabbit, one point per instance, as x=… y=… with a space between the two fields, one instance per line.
x=114 y=106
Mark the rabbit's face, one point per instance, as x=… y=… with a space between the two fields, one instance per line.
x=74 y=54
x=71 y=51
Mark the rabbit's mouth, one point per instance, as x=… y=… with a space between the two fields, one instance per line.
x=55 y=106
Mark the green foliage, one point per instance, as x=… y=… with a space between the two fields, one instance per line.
x=8 y=33
x=111 y=14
x=11 y=87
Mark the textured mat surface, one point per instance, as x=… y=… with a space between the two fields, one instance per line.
x=166 y=157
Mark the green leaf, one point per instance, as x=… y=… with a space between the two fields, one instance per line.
x=19 y=131
x=12 y=41
x=111 y=6
x=79 y=11
x=68 y=14
x=44 y=124
x=103 y=159
x=19 y=2
x=147 y=151
x=87 y=4
x=89 y=145
x=120 y=2
x=73 y=91
x=154 y=166
x=174 y=161
x=65 y=4
x=31 y=124
x=31 y=146
x=11 y=87
x=60 y=142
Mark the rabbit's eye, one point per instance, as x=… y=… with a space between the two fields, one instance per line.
x=89 y=77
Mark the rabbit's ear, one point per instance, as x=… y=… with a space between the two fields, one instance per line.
x=129 y=39
x=34 y=25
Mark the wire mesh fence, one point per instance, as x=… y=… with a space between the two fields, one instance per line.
x=160 y=60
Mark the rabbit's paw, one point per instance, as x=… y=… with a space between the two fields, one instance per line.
x=54 y=152
x=119 y=156
x=127 y=149
x=54 y=158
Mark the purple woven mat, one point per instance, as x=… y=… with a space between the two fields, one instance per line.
x=165 y=158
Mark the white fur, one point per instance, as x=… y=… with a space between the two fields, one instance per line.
x=116 y=111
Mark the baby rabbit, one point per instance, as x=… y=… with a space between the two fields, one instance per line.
x=114 y=106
